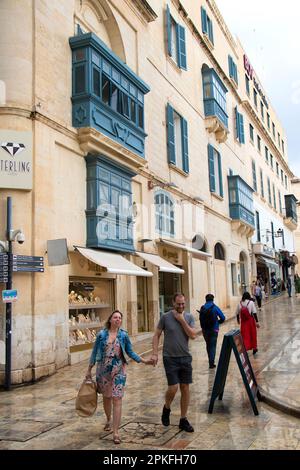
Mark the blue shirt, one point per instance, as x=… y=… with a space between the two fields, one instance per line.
x=220 y=317
x=100 y=343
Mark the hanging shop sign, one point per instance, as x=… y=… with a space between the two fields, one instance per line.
x=16 y=159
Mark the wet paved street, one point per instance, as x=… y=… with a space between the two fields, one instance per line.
x=42 y=416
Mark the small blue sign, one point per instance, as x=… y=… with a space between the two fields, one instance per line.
x=9 y=296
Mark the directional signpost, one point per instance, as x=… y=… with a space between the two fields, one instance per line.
x=9 y=264
x=22 y=263
x=3 y=267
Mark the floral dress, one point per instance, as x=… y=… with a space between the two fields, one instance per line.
x=111 y=372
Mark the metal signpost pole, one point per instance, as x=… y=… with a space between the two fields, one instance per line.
x=8 y=305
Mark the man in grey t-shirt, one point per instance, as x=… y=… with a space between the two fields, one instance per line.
x=178 y=327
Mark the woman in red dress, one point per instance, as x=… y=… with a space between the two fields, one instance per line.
x=247 y=317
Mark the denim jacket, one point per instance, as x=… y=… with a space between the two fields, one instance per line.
x=101 y=341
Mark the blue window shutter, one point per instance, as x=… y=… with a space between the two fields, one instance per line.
x=204 y=21
x=220 y=175
x=235 y=74
x=230 y=64
x=169 y=33
x=242 y=132
x=237 y=123
x=211 y=32
x=211 y=168
x=181 y=47
x=171 y=135
x=185 y=148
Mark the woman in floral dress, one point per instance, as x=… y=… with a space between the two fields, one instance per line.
x=109 y=353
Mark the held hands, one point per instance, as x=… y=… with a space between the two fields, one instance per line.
x=154 y=359
x=149 y=361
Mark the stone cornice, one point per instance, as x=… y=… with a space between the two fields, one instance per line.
x=36 y=116
x=222 y=24
x=247 y=106
x=142 y=8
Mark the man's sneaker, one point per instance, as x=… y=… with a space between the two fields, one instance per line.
x=184 y=425
x=212 y=366
x=165 y=417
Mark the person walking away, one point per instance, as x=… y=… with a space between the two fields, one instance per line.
x=109 y=353
x=297 y=284
x=178 y=327
x=210 y=316
x=258 y=294
x=289 y=286
x=247 y=317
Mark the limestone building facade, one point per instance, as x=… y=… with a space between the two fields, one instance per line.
x=154 y=152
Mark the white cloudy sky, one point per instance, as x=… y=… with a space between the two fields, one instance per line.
x=269 y=31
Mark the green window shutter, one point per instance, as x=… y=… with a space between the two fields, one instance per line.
x=185 y=148
x=169 y=33
x=211 y=168
x=171 y=135
x=237 y=123
x=242 y=132
x=181 y=47
x=236 y=74
x=220 y=175
x=204 y=21
x=211 y=32
x=230 y=64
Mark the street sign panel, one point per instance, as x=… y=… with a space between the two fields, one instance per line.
x=18 y=258
x=28 y=263
x=32 y=269
x=9 y=296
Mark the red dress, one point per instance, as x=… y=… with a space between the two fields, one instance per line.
x=249 y=332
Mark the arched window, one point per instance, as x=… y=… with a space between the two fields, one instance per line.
x=164 y=214
x=219 y=252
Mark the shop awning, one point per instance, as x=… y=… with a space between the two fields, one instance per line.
x=113 y=262
x=267 y=262
x=195 y=253
x=163 y=265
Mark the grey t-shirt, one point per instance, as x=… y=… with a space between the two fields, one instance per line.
x=176 y=341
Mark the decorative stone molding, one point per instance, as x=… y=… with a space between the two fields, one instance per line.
x=290 y=223
x=143 y=8
x=242 y=228
x=208 y=42
x=92 y=141
x=214 y=125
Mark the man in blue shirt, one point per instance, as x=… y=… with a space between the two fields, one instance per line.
x=210 y=318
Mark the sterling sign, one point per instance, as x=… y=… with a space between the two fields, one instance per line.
x=15 y=159
x=250 y=71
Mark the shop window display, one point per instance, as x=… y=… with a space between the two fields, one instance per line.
x=90 y=304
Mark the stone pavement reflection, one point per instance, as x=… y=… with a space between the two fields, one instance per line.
x=42 y=416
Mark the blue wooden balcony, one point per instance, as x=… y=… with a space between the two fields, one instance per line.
x=241 y=201
x=106 y=94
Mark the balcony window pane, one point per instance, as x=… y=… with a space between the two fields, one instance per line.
x=80 y=79
x=79 y=54
x=141 y=117
x=133 y=111
x=96 y=82
x=105 y=89
x=114 y=97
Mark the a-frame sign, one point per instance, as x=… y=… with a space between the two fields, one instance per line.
x=234 y=341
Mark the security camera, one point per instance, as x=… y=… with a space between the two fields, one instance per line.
x=16 y=235
x=20 y=238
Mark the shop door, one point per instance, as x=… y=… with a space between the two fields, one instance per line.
x=169 y=284
x=142 y=304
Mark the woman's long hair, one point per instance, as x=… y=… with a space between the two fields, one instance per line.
x=107 y=323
